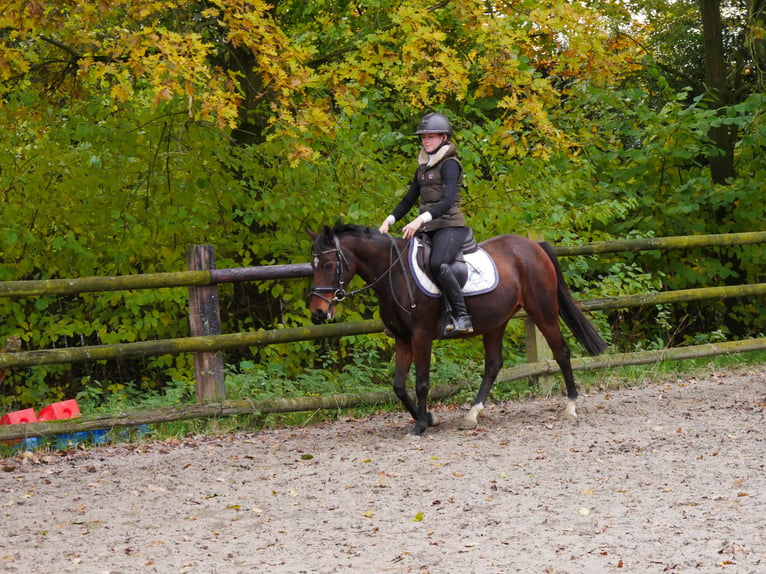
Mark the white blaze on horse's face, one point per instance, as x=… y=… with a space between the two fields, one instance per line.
x=323 y=296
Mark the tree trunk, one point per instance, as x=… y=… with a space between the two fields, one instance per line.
x=722 y=165
x=757 y=38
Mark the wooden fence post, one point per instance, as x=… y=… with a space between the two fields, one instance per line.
x=537 y=347
x=205 y=319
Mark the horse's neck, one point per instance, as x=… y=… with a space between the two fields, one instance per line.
x=377 y=258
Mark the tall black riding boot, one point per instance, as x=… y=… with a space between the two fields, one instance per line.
x=461 y=320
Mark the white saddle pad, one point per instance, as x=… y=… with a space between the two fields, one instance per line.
x=482 y=273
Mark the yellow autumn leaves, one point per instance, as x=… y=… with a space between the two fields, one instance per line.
x=293 y=67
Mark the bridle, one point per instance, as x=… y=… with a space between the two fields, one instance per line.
x=338 y=291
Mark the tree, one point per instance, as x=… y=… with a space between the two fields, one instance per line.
x=721 y=165
x=710 y=48
x=756 y=39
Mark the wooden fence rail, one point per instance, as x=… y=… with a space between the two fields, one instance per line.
x=152 y=280
x=208 y=342
x=298 y=270
x=211 y=343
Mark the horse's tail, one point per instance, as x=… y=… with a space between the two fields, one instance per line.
x=569 y=310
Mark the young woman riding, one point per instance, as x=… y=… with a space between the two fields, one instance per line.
x=436 y=186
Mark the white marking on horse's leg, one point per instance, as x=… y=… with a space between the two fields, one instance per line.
x=571 y=409
x=472 y=418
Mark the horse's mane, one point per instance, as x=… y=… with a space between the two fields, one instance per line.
x=353 y=229
x=340 y=229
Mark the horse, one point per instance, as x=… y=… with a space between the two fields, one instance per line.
x=529 y=277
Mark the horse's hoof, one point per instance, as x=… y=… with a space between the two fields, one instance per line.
x=417 y=430
x=471 y=420
x=571 y=409
x=433 y=420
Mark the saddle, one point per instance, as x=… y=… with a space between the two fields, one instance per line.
x=474 y=269
x=459 y=266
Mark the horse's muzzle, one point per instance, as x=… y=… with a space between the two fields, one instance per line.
x=319 y=316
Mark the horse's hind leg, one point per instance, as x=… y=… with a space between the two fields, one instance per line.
x=548 y=323
x=493 y=361
x=565 y=365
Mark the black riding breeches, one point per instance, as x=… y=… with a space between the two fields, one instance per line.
x=445 y=246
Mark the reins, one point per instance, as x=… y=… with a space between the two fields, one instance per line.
x=339 y=293
x=394 y=246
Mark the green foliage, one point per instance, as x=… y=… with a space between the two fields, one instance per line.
x=112 y=194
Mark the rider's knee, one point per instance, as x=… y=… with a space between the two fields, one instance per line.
x=441 y=269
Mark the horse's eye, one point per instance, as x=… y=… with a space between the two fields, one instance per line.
x=327 y=265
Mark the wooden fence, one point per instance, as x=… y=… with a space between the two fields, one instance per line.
x=207 y=341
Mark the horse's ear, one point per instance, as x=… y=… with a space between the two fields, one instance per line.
x=312 y=235
x=329 y=235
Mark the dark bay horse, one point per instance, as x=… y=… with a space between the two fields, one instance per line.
x=529 y=277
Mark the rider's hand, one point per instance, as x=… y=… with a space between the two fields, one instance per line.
x=386 y=224
x=412 y=227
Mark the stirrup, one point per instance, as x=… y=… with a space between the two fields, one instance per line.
x=458 y=326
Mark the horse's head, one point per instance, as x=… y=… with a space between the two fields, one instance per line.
x=333 y=270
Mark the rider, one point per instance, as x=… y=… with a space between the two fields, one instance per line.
x=437 y=184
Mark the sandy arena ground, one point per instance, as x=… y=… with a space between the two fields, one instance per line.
x=665 y=477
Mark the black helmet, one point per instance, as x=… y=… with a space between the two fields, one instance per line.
x=434 y=123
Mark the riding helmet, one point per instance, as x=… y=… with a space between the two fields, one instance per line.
x=434 y=123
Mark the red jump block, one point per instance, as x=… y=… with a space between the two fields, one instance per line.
x=19 y=417
x=57 y=411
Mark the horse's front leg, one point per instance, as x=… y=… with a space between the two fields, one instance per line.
x=403 y=351
x=421 y=348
